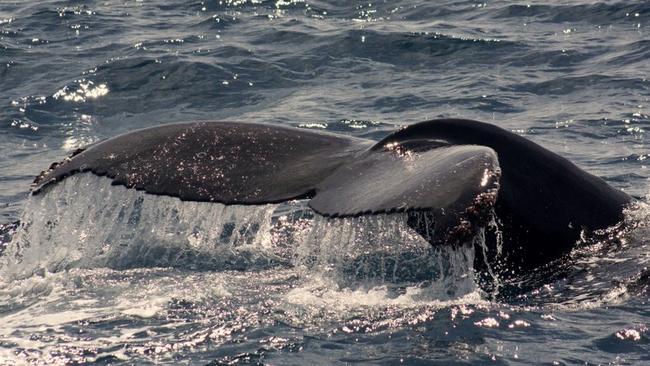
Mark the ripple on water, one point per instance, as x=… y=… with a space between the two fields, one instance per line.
x=570 y=75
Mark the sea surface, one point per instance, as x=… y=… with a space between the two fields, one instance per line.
x=110 y=276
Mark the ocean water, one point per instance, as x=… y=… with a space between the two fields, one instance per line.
x=98 y=274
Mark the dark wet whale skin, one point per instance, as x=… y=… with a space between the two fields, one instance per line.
x=544 y=201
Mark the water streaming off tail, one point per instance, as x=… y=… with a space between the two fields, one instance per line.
x=380 y=249
x=84 y=222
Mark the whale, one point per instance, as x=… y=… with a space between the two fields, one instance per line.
x=451 y=177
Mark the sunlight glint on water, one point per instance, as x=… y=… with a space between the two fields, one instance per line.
x=570 y=75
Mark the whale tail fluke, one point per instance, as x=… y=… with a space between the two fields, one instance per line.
x=456 y=172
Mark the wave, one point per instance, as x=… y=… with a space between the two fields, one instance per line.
x=416 y=49
x=595 y=13
x=565 y=85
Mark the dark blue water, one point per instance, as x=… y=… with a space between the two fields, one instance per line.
x=571 y=75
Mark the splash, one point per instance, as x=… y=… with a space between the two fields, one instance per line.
x=85 y=222
x=373 y=250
